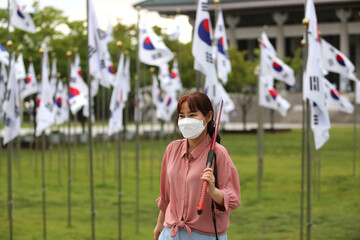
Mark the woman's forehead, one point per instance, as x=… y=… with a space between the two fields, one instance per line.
x=185 y=108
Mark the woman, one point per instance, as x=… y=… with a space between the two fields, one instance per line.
x=183 y=171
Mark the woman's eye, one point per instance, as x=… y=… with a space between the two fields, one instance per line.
x=181 y=116
x=192 y=115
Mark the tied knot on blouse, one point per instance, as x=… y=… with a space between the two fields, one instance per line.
x=180 y=224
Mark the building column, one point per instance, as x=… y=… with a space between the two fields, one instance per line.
x=280 y=19
x=343 y=16
x=357 y=56
x=232 y=21
x=192 y=23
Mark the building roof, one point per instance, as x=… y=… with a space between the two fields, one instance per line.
x=188 y=7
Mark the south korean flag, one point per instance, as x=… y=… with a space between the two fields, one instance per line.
x=11 y=107
x=152 y=49
x=202 y=42
x=20 y=17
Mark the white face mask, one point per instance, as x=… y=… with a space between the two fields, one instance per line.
x=191 y=128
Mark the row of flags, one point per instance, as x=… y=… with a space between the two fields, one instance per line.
x=323 y=58
x=154 y=52
x=211 y=58
x=272 y=67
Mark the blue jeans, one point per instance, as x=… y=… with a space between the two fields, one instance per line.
x=183 y=235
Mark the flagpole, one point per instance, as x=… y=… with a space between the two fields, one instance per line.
x=355 y=138
x=126 y=120
x=308 y=150
x=119 y=140
x=8 y=27
x=18 y=139
x=260 y=133
x=92 y=191
x=137 y=112
x=69 y=54
x=260 y=136
x=58 y=76
x=41 y=51
x=75 y=134
x=319 y=175
x=10 y=160
x=152 y=70
x=303 y=44
x=37 y=140
x=103 y=134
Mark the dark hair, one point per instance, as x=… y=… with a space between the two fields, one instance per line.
x=200 y=101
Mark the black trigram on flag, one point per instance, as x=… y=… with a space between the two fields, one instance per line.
x=331 y=62
x=268 y=98
x=314 y=83
x=204 y=7
x=208 y=57
x=156 y=55
x=316 y=119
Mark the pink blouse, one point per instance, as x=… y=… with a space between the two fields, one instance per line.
x=180 y=187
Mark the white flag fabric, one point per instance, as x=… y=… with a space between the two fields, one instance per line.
x=99 y=58
x=334 y=99
x=216 y=93
x=11 y=106
x=274 y=66
x=266 y=44
x=109 y=34
x=212 y=90
x=45 y=116
x=152 y=49
x=4 y=55
x=222 y=54
x=176 y=33
x=170 y=80
x=269 y=98
x=175 y=76
x=320 y=125
x=336 y=61
x=61 y=104
x=165 y=110
x=357 y=92
x=140 y=105
x=30 y=85
x=20 y=68
x=202 y=41
x=3 y=81
x=20 y=18
x=156 y=93
x=78 y=92
x=127 y=78
x=53 y=77
x=117 y=103
x=313 y=87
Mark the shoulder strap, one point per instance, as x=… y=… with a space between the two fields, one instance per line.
x=212 y=201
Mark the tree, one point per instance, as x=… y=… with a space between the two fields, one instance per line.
x=242 y=80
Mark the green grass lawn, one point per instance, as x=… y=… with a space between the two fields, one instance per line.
x=275 y=215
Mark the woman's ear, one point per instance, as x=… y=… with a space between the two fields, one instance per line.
x=209 y=116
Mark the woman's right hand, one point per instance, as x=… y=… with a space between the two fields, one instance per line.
x=158 y=229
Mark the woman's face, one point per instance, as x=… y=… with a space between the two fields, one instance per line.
x=185 y=112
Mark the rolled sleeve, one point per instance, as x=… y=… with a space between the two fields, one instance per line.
x=162 y=204
x=163 y=200
x=229 y=185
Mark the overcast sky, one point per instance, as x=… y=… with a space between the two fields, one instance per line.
x=112 y=10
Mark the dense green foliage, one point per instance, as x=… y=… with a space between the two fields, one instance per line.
x=275 y=215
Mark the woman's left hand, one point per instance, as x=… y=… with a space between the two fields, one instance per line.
x=208 y=176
